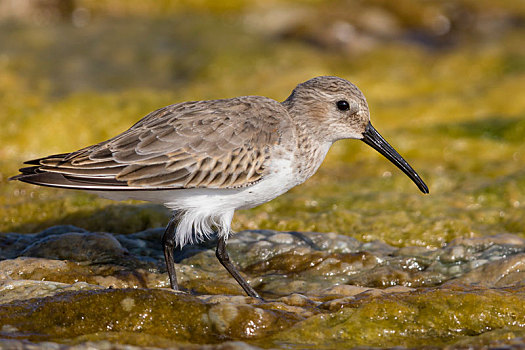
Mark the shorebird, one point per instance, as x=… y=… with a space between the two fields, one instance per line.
x=205 y=159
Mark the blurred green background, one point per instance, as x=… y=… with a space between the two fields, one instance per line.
x=445 y=81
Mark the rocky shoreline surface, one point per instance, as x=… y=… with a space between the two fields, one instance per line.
x=66 y=287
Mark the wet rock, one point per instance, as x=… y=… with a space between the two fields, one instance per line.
x=23 y=268
x=109 y=345
x=60 y=229
x=409 y=319
x=107 y=275
x=275 y=263
x=246 y=321
x=468 y=249
x=155 y=316
x=352 y=294
x=348 y=290
x=467 y=254
x=500 y=273
x=77 y=246
x=12 y=290
x=317 y=288
x=295 y=299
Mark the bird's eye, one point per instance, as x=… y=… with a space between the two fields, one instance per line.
x=343 y=105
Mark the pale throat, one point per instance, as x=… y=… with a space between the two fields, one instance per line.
x=309 y=154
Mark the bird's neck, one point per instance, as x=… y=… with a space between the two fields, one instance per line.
x=309 y=153
x=312 y=140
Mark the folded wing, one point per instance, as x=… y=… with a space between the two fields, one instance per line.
x=206 y=144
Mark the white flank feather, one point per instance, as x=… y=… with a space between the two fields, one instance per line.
x=196 y=225
x=202 y=211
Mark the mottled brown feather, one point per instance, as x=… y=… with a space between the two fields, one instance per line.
x=214 y=144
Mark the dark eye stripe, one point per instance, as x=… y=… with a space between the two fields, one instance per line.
x=343 y=105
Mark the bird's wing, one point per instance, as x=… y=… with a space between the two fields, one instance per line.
x=206 y=144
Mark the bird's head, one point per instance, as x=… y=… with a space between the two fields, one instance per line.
x=331 y=108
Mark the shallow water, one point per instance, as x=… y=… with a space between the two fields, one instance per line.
x=449 y=100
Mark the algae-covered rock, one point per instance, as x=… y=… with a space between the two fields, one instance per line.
x=162 y=318
x=426 y=317
x=498 y=273
x=156 y=317
x=275 y=263
x=14 y=290
x=114 y=345
x=321 y=290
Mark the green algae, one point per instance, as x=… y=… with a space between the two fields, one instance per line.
x=163 y=318
x=151 y=317
x=432 y=317
x=93 y=313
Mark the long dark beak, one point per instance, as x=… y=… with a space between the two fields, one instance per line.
x=372 y=138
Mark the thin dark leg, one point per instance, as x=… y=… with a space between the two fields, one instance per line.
x=168 y=243
x=224 y=259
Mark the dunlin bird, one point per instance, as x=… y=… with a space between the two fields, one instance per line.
x=206 y=159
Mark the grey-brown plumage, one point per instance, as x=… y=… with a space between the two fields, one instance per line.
x=206 y=159
x=205 y=144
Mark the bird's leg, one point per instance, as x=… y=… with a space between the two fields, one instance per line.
x=168 y=243
x=224 y=259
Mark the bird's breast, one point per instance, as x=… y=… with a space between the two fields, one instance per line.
x=308 y=157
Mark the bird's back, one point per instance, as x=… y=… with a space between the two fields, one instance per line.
x=204 y=144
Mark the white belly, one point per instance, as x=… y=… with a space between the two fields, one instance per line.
x=282 y=177
x=280 y=180
x=203 y=210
